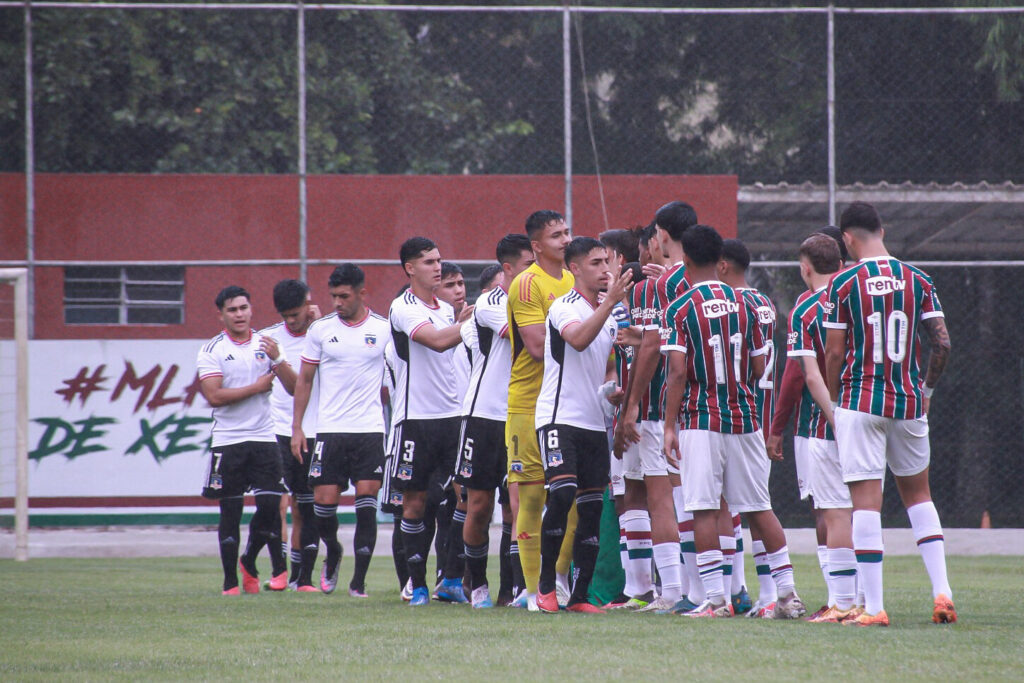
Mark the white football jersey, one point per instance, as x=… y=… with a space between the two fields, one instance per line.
x=239 y=364
x=425 y=383
x=487 y=396
x=350 y=360
x=281 y=402
x=568 y=393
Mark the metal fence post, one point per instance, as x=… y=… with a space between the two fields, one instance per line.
x=301 y=50
x=831 y=96
x=567 y=110
x=30 y=174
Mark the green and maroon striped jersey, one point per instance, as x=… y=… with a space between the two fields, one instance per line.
x=718 y=330
x=644 y=315
x=880 y=303
x=764 y=387
x=806 y=405
x=807 y=338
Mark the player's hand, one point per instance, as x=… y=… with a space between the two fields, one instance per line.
x=629 y=336
x=671 y=446
x=615 y=396
x=653 y=270
x=774 y=445
x=926 y=403
x=314 y=311
x=269 y=347
x=465 y=314
x=265 y=383
x=298 y=444
x=618 y=286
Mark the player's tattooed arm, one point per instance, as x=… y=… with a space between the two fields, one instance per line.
x=938 y=335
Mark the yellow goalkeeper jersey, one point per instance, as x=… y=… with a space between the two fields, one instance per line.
x=529 y=298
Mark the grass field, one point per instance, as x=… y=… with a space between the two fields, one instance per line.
x=144 y=619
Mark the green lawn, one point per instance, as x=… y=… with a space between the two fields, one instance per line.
x=165 y=618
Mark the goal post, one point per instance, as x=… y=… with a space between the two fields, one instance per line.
x=18 y=278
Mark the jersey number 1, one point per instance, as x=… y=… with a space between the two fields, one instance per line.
x=718 y=352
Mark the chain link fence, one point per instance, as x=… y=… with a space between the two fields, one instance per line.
x=826 y=95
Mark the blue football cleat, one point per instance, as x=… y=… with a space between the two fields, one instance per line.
x=420 y=596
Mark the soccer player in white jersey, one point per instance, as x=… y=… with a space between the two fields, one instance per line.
x=236 y=370
x=874 y=312
x=292 y=301
x=345 y=350
x=569 y=418
x=427 y=405
x=482 y=463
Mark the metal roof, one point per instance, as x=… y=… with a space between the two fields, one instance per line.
x=982 y=221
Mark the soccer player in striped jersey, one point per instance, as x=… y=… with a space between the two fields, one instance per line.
x=345 y=352
x=482 y=463
x=791 y=396
x=570 y=420
x=819 y=260
x=732 y=270
x=715 y=351
x=236 y=370
x=874 y=312
x=427 y=406
x=292 y=301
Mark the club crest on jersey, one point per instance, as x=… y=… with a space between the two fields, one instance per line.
x=554 y=458
x=765 y=315
x=396 y=498
x=716 y=308
x=405 y=472
x=516 y=466
x=260 y=355
x=370 y=340
x=880 y=285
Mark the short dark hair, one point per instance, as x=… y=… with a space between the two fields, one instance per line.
x=822 y=252
x=624 y=242
x=636 y=269
x=413 y=247
x=448 y=268
x=836 y=234
x=674 y=218
x=488 y=274
x=511 y=246
x=347 y=274
x=734 y=250
x=860 y=215
x=580 y=247
x=537 y=220
x=647 y=233
x=230 y=292
x=702 y=244
x=289 y=294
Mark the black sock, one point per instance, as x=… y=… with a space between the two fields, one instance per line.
x=455 y=565
x=518 y=583
x=295 y=557
x=442 y=528
x=327 y=527
x=504 y=560
x=398 y=553
x=414 y=537
x=476 y=558
x=228 y=530
x=552 y=530
x=587 y=544
x=365 y=539
x=267 y=520
x=309 y=535
x=253 y=545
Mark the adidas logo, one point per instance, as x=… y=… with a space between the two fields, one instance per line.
x=378 y=470
x=551 y=297
x=332 y=340
x=230 y=357
x=416 y=558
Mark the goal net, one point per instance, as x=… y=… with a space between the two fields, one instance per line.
x=14 y=406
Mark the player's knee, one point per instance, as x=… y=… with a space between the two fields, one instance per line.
x=562 y=493
x=588 y=509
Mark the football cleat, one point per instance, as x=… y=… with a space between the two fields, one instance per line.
x=522 y=600
x=307 y=589
x=618 y=602
x=547 y=602
x=865 y=619
x=504 y=599
x=481 y=597
x=357 y=592
x=790 y=607
x=407 y=591
x=711 y=610
x=293 y=585
x=279 y=582
x=584 y=608
x=250 y=580
x=821 y=610
x=234 y=590
x=832 y=615
x=657 y=606
x=741 y=601
x=562 y=590
x=450 y=590
x=943 y=612
x=761 y=610
x=329 y=576
x=683 y=606
x=420 y=597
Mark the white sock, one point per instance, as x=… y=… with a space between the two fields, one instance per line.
x=842 y=566
x=628 y=588
x=728 y=546
x=867 y=544
x=710 y=564
x=823 y=563
x=666 y=559
x=782 y=572
x=695 y=586
x=677 y=500
x=739 y=580
x=924 y=520
x=767 y=593
x=637 y=524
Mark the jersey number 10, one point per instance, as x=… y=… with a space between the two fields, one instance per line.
x=896 y=330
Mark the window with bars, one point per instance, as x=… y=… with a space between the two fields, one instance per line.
x=124 y=295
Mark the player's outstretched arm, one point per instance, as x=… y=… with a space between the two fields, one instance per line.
x=439 y=340
x=300 y=401
x=217 y=395
x=835 y=353
x=581 y=335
